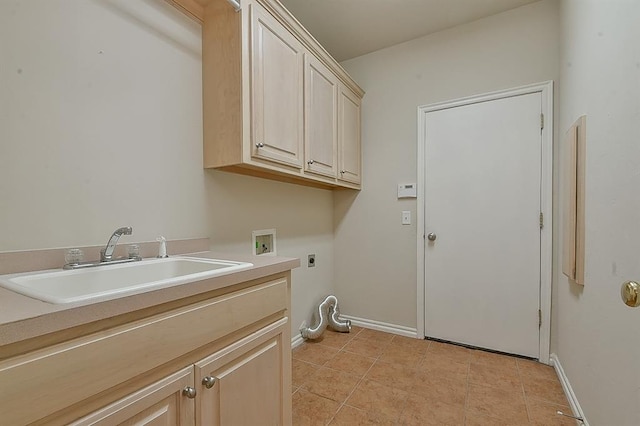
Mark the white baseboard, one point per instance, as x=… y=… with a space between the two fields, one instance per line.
x=401 y=330
x=296 y=340
x=568 y=391
x=382 y=326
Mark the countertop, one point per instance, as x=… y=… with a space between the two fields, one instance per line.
x=23 y=318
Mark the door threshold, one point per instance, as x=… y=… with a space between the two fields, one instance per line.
x=477 y=348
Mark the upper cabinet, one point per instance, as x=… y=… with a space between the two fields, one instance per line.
x=349 y=154
x=276 y=91
x=275 y=103
x=321 y=118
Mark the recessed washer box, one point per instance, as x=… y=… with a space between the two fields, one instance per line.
x=263 y=242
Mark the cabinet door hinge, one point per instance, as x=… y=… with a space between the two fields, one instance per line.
x=541 y=220
x=541 y=121
x=539 y=318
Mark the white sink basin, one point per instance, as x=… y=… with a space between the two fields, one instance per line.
x=116 y=280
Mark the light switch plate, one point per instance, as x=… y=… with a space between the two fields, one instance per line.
x=406 y=217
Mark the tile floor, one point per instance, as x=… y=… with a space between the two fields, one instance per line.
x=368 y=377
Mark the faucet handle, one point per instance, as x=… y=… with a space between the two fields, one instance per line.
x=133 y=251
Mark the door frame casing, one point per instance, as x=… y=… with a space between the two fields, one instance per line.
x=546 y=199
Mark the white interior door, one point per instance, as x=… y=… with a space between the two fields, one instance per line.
x=482 y=204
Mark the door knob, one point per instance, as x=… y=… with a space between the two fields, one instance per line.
x=431 y=236
x=630 y=293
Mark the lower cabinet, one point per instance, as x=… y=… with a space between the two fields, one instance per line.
x=162 y=403
x=221 y=361
x=241 y=384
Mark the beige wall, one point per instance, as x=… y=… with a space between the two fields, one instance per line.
x=303 y=218
x=375 y=256
x=101 y=126
x=597 y=337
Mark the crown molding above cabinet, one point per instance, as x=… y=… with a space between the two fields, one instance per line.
x=276 y=104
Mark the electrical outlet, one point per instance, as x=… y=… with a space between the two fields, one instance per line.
x=311 y=261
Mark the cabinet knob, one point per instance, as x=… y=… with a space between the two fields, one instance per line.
x=310 y=162
x=342 y=172
x=259 y=145
x=209 y=381
x=189 y=392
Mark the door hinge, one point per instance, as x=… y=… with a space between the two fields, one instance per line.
x=539 y=318
x=541 y=220
x=541 y=121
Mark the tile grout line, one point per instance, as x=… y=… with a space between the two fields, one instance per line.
x=410 y=391
x=379 y=359
x=314 y=364
x=344 y=402
x=376 y=359
x=521 y=386
x=340 y=349
x=466 y=396
x=321 y=366
x=406 y=402
x=524 y=394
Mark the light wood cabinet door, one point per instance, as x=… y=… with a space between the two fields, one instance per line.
x=271 y=95
x=349 y=153
x=321 y=114
x=161 y=403
x=276 y=91
x=249 y=381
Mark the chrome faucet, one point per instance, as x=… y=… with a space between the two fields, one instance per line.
x=106 y=254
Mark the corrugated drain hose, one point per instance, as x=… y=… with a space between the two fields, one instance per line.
x=328 y=314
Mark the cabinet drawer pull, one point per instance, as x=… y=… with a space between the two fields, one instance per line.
x=189 y=392
x=310 y=162
x=209 y=381
x=342 y=172
x=259 y=145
